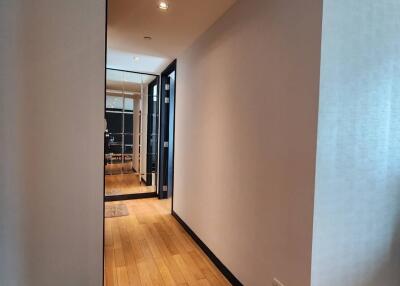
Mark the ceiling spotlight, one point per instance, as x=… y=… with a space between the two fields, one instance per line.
x=163 y=5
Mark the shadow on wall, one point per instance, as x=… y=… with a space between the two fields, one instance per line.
x=386 y=267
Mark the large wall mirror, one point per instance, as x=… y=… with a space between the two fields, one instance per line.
x=131 y=135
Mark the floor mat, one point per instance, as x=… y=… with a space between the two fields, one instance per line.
x=116 y=210
x=113 y=192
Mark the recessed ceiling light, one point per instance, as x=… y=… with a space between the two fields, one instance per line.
x=163 y=5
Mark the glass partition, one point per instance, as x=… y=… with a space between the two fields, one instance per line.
x=131 y=135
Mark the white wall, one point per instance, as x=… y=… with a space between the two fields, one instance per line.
x=357 y=204
x=136 y=133
x=145 y=114
x=51 y=126
x=246 y=121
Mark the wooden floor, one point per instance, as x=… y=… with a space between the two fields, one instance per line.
x=124 y=184
x=149 y=247
x=117 y=167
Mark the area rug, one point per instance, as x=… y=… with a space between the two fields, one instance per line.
x=113 y=192
x=116 y=210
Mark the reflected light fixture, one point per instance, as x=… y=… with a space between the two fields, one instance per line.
x=136 y=59
x=163 y=5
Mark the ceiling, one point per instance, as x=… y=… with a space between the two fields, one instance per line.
x=172 y=31
x=127 y=81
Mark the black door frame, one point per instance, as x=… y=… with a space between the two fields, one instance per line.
x=152 y=132
x=167 y=111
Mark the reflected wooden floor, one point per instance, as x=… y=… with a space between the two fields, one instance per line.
x=149 y=247
x=124 y=184
x=116 y=168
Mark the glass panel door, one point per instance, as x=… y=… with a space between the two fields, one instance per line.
x=131 y=135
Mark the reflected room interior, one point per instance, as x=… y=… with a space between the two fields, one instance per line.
x=131 y=133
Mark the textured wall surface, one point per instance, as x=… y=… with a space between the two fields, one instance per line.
x=246 y=122
x=357 y=205
x=51 y=181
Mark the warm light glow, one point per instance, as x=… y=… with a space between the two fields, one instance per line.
x=163 y=5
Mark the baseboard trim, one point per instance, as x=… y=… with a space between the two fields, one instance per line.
x=221 y=267
x=130 y=197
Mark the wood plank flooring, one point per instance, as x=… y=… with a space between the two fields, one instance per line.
x=149 y=247
x=124 y=184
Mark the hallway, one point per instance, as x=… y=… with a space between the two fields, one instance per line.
x=149 y=247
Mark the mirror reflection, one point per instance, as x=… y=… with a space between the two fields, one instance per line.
x=131 y=133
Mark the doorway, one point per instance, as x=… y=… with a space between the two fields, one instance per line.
x=167 y=131
x=131 y=135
